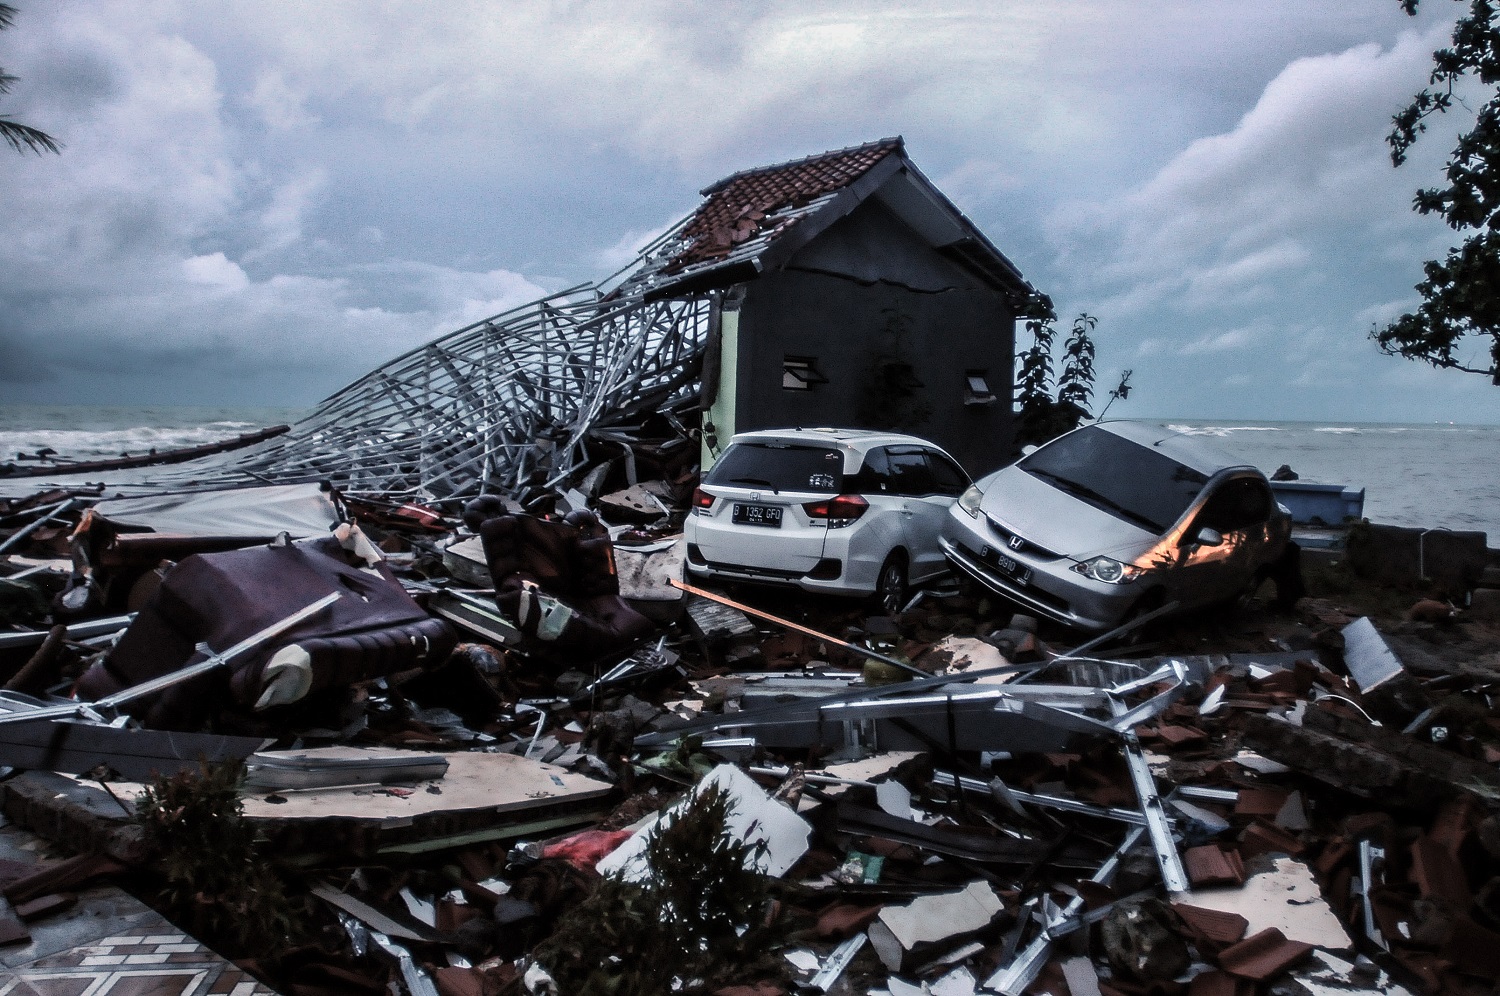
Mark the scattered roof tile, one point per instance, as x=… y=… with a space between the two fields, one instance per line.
x=1216 y=927
x=1264 y=955
x=1260 y=801
x=1210 y=865
x=1261 y=837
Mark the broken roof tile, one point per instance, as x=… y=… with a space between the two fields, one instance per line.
x=1260 y=800
x=1216 y=927
x=1261 y=837
x=1264 y=955
x=1180 y=736
x=1211 y=865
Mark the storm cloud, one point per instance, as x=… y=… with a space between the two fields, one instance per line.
x=257 y=203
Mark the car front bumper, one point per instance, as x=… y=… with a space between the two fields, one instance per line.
x=1052 y=589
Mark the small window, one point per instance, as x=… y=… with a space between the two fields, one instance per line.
x=977 y=388
x=800 y=373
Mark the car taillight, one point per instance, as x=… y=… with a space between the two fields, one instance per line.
x=702 y=499
x=838 y=511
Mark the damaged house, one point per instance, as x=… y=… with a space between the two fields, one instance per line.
x=853 y=294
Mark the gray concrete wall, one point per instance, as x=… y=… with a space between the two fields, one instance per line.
x=864 y=299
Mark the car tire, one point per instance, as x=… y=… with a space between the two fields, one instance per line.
x=891 y=587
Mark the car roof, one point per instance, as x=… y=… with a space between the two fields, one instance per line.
x=859 y=440
x=1190 y=451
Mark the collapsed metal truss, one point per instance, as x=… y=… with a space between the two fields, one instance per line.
x=528 y=397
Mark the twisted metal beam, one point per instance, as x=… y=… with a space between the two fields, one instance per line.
x=507 y=402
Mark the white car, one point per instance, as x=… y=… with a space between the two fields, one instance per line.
x=844 y=511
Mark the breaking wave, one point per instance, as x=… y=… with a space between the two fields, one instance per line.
x=1220 y=431
x=89 y=433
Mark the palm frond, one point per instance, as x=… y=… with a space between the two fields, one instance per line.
x=23 y=137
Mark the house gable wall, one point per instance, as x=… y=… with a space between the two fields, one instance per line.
x=893 y=326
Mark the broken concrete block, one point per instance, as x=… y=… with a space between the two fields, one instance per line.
x=754 y=818
x=905 y=935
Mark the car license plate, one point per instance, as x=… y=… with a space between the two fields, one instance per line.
x=757 y=515
x=1007 y=565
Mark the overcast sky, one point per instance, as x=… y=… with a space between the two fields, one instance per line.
x=257 y=202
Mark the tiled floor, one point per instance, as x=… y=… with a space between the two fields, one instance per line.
x=164 y=963
x=110 y=944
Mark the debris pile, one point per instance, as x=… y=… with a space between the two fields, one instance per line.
x=360 y=744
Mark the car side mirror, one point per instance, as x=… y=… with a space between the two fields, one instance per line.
x=1208 y=537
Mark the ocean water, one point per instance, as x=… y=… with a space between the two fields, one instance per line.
x=100 y=432
x=1428 y=476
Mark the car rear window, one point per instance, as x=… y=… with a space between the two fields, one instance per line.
x=1132 y=481
x=780 y=467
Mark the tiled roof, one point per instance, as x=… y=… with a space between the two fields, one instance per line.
x=759 y=204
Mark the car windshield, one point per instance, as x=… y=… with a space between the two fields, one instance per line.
x=779 y=467
x=1132 y=481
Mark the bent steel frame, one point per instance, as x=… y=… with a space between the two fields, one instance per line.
x=525 y=398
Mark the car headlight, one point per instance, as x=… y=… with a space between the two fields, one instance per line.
x=970 y=499
x=1109 y=571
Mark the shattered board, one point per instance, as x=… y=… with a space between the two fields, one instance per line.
x=499 y=783
x=755 y=818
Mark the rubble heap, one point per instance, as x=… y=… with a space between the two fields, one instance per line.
x=512 y=753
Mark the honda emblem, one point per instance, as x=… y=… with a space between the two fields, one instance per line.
x=1016 y=542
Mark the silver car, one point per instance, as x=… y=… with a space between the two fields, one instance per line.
x=1115 y=519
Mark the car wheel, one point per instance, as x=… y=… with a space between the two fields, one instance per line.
x=891 y=589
